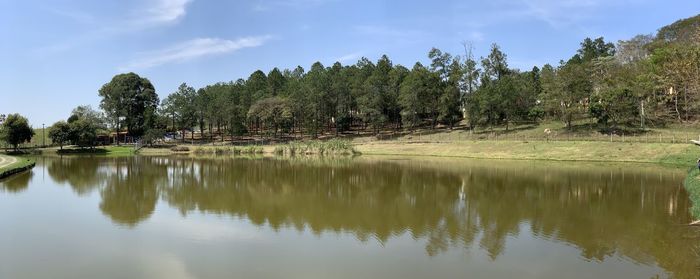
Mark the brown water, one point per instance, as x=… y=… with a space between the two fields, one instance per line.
x=175 y=217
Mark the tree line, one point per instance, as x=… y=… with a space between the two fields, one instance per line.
x=643 y=81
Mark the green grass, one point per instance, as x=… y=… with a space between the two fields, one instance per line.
x=116 y=150
x=22 y=164
x=675 y=154
x=687 y=157
x=583 y=130
x=692 y=185
x=112 y=151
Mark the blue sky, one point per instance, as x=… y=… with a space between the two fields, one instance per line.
x=55 y=54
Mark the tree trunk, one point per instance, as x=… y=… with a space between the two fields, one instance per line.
x=117 y=132
x=211 y=134
x=685 y=102
x=678 y=113
x=201 y=128
x=507 y=124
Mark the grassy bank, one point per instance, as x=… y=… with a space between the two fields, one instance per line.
x=666 y=153
x=21 y=165
x=582 y=130
x=102 y=150
x=662 y=153
x=692 y=185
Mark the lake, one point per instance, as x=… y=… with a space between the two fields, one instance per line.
x=365 y=217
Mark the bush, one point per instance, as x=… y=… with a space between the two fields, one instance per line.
x=251 y=149
x=180 y=149
x=331 y=147
x=152 y=136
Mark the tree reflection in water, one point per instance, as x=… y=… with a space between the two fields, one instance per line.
x=602 y=210
x=16 y=183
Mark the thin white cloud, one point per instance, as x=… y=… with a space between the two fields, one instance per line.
x=559 y=13
x=163 y=11
x=192 y=49
x=556 y=13
x=74 y=15
x=151 y=14
x=351 y=57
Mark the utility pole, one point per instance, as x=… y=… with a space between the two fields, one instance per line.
x=43 y=135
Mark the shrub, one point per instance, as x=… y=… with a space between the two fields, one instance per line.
x=331 y=147
x=180 y=149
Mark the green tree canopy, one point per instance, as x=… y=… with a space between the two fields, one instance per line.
x=131 y=101
x=15 y=130
x=60 y=133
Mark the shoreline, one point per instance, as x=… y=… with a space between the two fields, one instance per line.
x=557 y=151
x=692 y=185
x=20 y=165
x=565 y=151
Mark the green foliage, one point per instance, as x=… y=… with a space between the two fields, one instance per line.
x=131 y=101
x=592 y=49
x=182 y=107
x=615 y=106
x=684 y=30
x=60 y=133
x=83 y=132
x=330 y=147
x=273 y=113
x=15 y=130
x=413 y=92
x=152 y=136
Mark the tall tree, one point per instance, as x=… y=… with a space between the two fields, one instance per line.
x=275 y=82
x=60 y=133
x=470 y=81
x=202 y=103
x=494 y=65
x=257 y=87
x=15 y=130
x=339 y=102
x=411 y=95
x=183 y=103
x=129 y=100
x=318 y=88
x=576 y=87
x=450 y=98
x=377 y=87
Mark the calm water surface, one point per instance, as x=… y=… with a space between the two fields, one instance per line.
x=180 y=217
